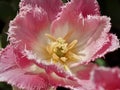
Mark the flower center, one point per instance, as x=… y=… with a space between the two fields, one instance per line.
x=60 y=51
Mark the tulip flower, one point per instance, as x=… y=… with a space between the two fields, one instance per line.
x=49 y=41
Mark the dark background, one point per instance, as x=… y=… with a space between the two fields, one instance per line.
x=111 y=8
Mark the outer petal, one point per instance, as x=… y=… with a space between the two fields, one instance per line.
x=72 y=13
x=28 y=25
x=107 y=78
x=4 y=59
x=14 y=73
x=83 y=72
x=76 y=80
x=21 y=79
x=52 y=7
x=18 y=71
x=109 y=46
x=102 y=78
x=97 y=37
x=75 y=7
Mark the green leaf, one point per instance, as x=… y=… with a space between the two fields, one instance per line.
x=100 y=62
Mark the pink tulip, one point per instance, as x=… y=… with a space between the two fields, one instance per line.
x=50 y=40
x=107 y=78
x=103 y=78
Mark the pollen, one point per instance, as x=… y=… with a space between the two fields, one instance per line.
x=61 y=51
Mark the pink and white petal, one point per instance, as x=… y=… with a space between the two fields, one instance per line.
x=109 y=46
x=14 y=67
x=71 y=16
x=60 y=78
x=98 y=76
x=56 y=81
x=83 y=71
x=76 y=7
x=18 y=71
x=7 y=59
x=19 y=78
x=106 y=78
x=28 y=26
x=94 y=35
x=52 y=7
x=74 y=80
x=11 y=58
x=21 y=60
x=94 y=27
x=91 y=32
x=29 y=79
x=82 y=28
x=76 y=84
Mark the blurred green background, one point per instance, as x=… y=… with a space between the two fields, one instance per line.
x=111 y=8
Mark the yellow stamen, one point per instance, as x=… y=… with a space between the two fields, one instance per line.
x=61 y=51
x=67 y=69
x=67 y=36
x=72 y=44
x=64 y=59
x=50 y=37
x=55 y=57
x=73 y=56
x=49 y=49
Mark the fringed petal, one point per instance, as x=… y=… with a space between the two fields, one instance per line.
x=71 y=14
x=52 y=7
x=15 y=70
x=11 y=58
x=18 y=71
x=91 y=32
x=7 y=59
x=28 y=25
x=20 y=78
x=106 y=78
x=111 y=45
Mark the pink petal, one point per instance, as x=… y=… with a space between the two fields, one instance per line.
x=51 y=7
x=91 y=32
x=102 y=78
x=16 y=70
x=75 y=81
x=10 y=59
x=21 y=79
x=107 y=78
x=28 y=25
x=72 y=13
x=84 y=71
x=75 y=7
x=109 y=46
x=96 y=36
x=6 y=56
x=12 y=70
